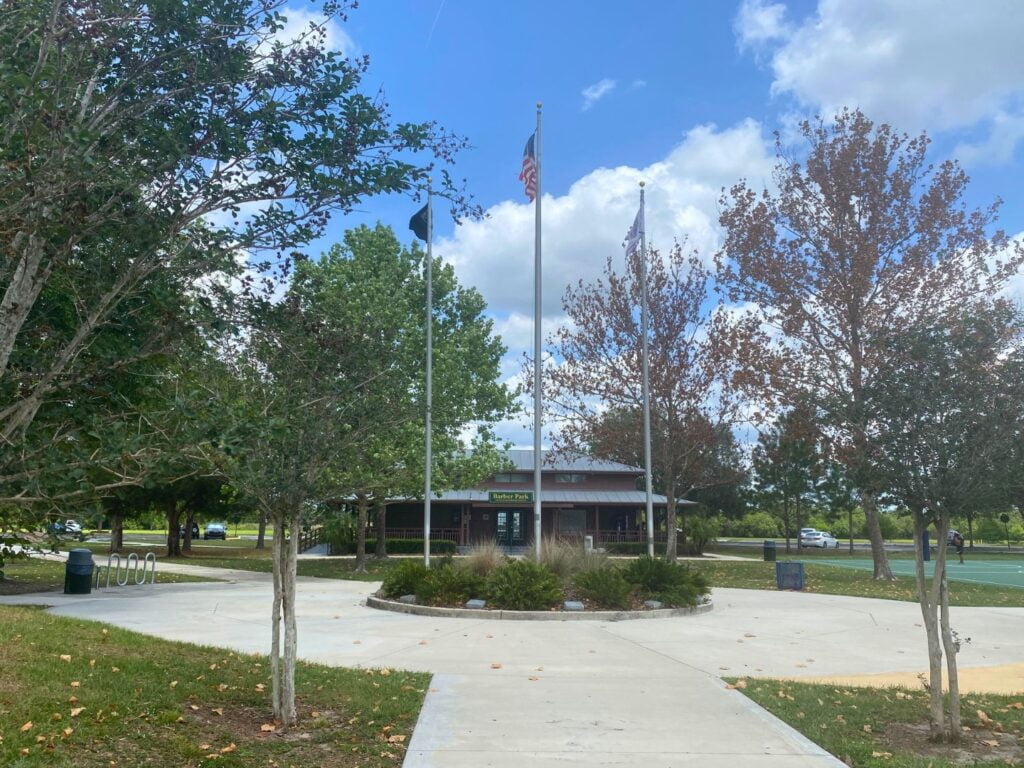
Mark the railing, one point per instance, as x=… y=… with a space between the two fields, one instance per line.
x=626 y=537
x=436 y=534
x=131 y=570
x=310 y=537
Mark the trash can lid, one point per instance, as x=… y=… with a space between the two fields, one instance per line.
x=80 y=555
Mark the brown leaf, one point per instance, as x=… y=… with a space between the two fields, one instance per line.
x=229 y=748
x=65 y=657
x=76 y=711
x=396 y=739
x=174 y=683
x=267 y=727
x=990 y=742
x=68 y=731
x=56 y=717
x=259 y=686
x=218 y=710
x=75 y=684
x=223 y=687
x=495 y=665
x=983 y=717
x=26 y=727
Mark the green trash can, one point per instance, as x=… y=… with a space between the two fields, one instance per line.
x=769 y=551
x=78 y=572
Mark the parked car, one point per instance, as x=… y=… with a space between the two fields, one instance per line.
x=73 y=526
x=215 y=531
x=820 y=539
x=805 y=532
x=195 y=531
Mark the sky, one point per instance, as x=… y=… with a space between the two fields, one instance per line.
x=681 y=94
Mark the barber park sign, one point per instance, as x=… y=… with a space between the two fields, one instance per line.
x=504 y=497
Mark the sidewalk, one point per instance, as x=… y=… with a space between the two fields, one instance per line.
x=633 y=693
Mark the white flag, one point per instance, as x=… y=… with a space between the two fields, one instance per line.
x=635 y=233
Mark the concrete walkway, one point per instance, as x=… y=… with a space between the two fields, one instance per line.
x=635 y=693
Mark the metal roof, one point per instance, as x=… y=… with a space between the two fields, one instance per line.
x=569 y=497
x=560 y=462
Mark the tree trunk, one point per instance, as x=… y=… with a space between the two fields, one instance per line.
x=928 y=602
x=949 y=643
x=785 y=522
x=22 y=291
x=878 y=554
x=190 y=518
x=275 y=616
x=289 y=715
x=671 y=541
x=117 y=531
x=361 y=520
x=798 y=525
x=970 y=530
x=261 y=534
x=173 y=523
x=381 y=549
x=849 y=520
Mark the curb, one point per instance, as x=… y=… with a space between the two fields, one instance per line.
x=497 y=614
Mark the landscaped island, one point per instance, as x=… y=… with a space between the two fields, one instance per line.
x=565 y=577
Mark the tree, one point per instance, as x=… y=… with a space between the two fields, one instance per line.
x=837 y=492
x=141 y=139
x=947 y=403
x=786 y=466
x=373 y=273
x=860 y=237
x=695 y=373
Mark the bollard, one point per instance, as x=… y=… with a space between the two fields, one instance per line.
x=588 y=544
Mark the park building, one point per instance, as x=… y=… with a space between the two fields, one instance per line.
x=580 y=496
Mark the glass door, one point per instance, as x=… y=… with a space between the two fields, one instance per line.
x=510 y=527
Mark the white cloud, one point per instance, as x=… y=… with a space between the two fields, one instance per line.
x=639 y=84
x=301 y=21
x=758 y=22
x=588 y=223
x=913 y=63
x=594 y=93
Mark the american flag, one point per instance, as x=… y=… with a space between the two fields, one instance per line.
x=529 y=173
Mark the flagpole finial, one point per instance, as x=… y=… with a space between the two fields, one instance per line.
x=642 y=184
x=539 y=105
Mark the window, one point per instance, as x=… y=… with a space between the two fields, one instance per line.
x=514 y=477
x=569 y=478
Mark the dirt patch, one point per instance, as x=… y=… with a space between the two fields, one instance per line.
x=976 y=746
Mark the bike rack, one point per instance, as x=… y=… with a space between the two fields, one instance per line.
x=131 y=570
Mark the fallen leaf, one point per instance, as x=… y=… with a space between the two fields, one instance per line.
x=224 y=686
x=68 y=731
x=115 y=669
x=92 y=662
x=990 y=742
x=174 y=683
x=75 y=684
x=205 y=747
x=533 y=677
x=76 y=711
x=495 y=666
x=229 y=748
x=56 y=717
x=884 y=755
x=267 y=727
x=259 y=686
x=65 y=657
x=385 y=672
x=867 y=729
x=983 y=717
x=193 y=707
x=218 y=710
x=26 y=727
x=72 y=699
x=396 y=739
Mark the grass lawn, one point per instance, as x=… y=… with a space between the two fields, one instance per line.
x=832 y=580
x=871 y=727
x=77 y=693
x=252 y=559
x=35 y=575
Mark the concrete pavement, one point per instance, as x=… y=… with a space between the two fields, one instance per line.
x=632 y=693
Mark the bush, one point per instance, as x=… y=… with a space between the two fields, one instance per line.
x=396 y=547
x=632 y=547
x=563 y=557
x=522 y=585
x=700 y=533
x=484 y=557
x=406 y=578
x=606 y=587
x=759 y=524
x=449 y=584
x=673 y=584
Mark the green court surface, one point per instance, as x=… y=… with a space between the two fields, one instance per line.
x=1004 y=572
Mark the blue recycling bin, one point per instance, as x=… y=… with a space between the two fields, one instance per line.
x=789 y=575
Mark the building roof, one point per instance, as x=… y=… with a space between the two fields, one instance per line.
x=560 y=462
x=569 y=497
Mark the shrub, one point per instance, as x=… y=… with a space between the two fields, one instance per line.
x=701 y=532
x=484 y=557
x=604 y=586
x=759 y=524
x=449 y=584
x=671 y=583
x=340 y=534
x=632 y=547
x=523 y=585
x=563 y=557
x=406 y=578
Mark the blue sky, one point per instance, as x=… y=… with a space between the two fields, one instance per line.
x=689 y=94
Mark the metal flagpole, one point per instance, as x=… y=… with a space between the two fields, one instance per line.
x=430 y=381
x=644 y=323
x=537 y=528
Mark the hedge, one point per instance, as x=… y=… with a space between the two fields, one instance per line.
x=400 y=547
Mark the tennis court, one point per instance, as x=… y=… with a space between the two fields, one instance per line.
x=1003 y=572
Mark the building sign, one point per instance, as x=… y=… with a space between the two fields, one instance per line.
x=498 y=497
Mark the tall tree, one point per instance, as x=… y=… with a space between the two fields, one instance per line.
x=140 y=138
x=858 y=236
x=695 y=372
x=947 y=406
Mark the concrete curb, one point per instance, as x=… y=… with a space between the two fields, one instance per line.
x=497 y=614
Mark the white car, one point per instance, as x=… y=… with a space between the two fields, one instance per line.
x=72 y=526
x=820 y=539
